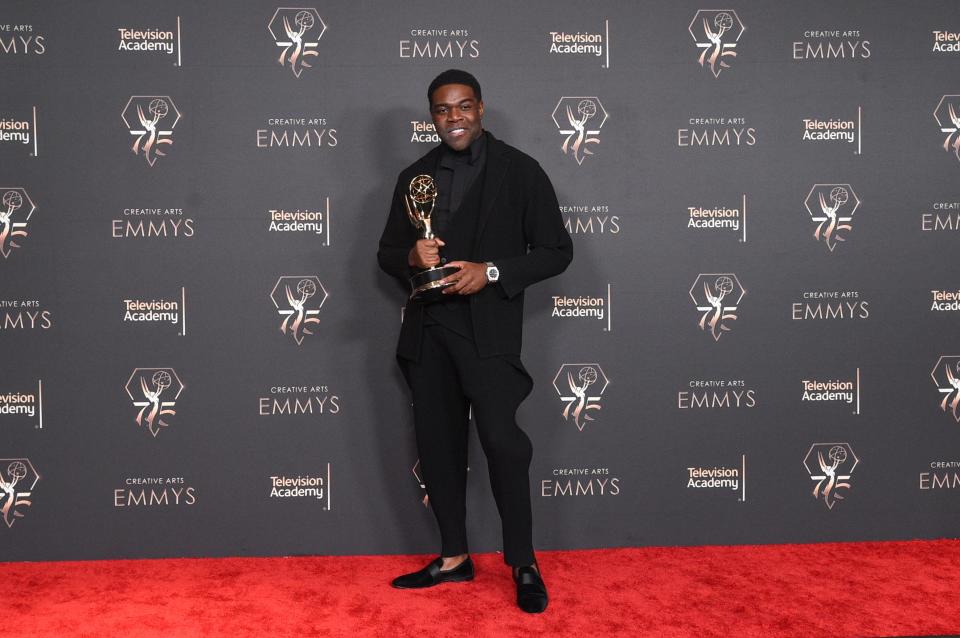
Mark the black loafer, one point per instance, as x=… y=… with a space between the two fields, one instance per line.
x=432 y=575
x=531 y=592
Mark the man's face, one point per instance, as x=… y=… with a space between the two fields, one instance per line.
x=456 y=113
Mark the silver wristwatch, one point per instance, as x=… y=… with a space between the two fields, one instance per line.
x=493 y=273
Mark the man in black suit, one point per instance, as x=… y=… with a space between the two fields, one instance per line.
x=498 y=222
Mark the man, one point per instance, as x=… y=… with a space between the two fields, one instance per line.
x=497 y=221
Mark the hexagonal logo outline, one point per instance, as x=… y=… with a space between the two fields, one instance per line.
x=949 y=385
x=152 y=408
x=578 y=138
x=714 y=49
x=148 y=139
x=716 y=312
x=297 y=318
x=11 y=230
x=296 y=50
x=830 y=221
x=949 y=122
x=828 y=480
x=574 y=394
x=21 y=498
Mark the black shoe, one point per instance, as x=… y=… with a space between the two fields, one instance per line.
x=531 y=592
x=432 y=575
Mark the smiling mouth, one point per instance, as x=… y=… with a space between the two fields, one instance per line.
x=456 y=131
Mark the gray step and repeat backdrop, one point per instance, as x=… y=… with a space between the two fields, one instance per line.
x=756 y=342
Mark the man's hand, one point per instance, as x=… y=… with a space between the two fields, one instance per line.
x=425 y=253
x=470 y=279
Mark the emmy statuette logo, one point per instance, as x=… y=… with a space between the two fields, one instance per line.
x=717 y=33
x=830 y=466
x=717 y=297
x=946 y=376
x=17 y=480
x=832 y=207
x=150 y=119
x=581 y=387
x=297 y=31
x=298 y=300
x=573 y=115
x=15 y=213
x=155 y=392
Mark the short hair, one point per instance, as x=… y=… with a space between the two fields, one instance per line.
x=454 y=76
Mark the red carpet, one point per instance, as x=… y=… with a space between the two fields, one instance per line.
x=828 y=590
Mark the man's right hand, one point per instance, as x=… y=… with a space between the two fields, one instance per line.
x=425 y=253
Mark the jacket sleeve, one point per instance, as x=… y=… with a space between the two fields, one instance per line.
x=397 y=239
x=549 y=247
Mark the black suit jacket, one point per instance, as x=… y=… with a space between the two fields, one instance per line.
x=520 y=229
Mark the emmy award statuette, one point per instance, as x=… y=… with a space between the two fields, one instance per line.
x=419 y=201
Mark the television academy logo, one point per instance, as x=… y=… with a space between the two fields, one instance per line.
x=313 y=486
x=148 y=41
x=832 y=207
x=297 y=30
x=582 y=43
x=946 y=375
x=945 y=301
x=150 y=119
x=717 y=296
x=298 y=300
x=836 y=129
x=720 y=479
x=947 y=115
x=29 y=404
x=709 y=28
x=585 y=307
x=836 y=390
x=946 y=42
x=155 y=311
x=313 y=221
x=830 y=465
x=709 y=218
x=572 y=382
x=15 y=212
x=155 y=391
x=18 y=478
x=18 y=130
x=423 y=132
x=571 y=115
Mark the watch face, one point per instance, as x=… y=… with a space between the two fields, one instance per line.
x=493 y=273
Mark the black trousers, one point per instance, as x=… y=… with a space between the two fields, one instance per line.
x=450 y=378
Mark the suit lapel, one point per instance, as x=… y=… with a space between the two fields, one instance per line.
x=497 y=164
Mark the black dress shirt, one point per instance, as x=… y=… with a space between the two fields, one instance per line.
x=456 y=172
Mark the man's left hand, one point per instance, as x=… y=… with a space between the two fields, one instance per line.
x=470 y=279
